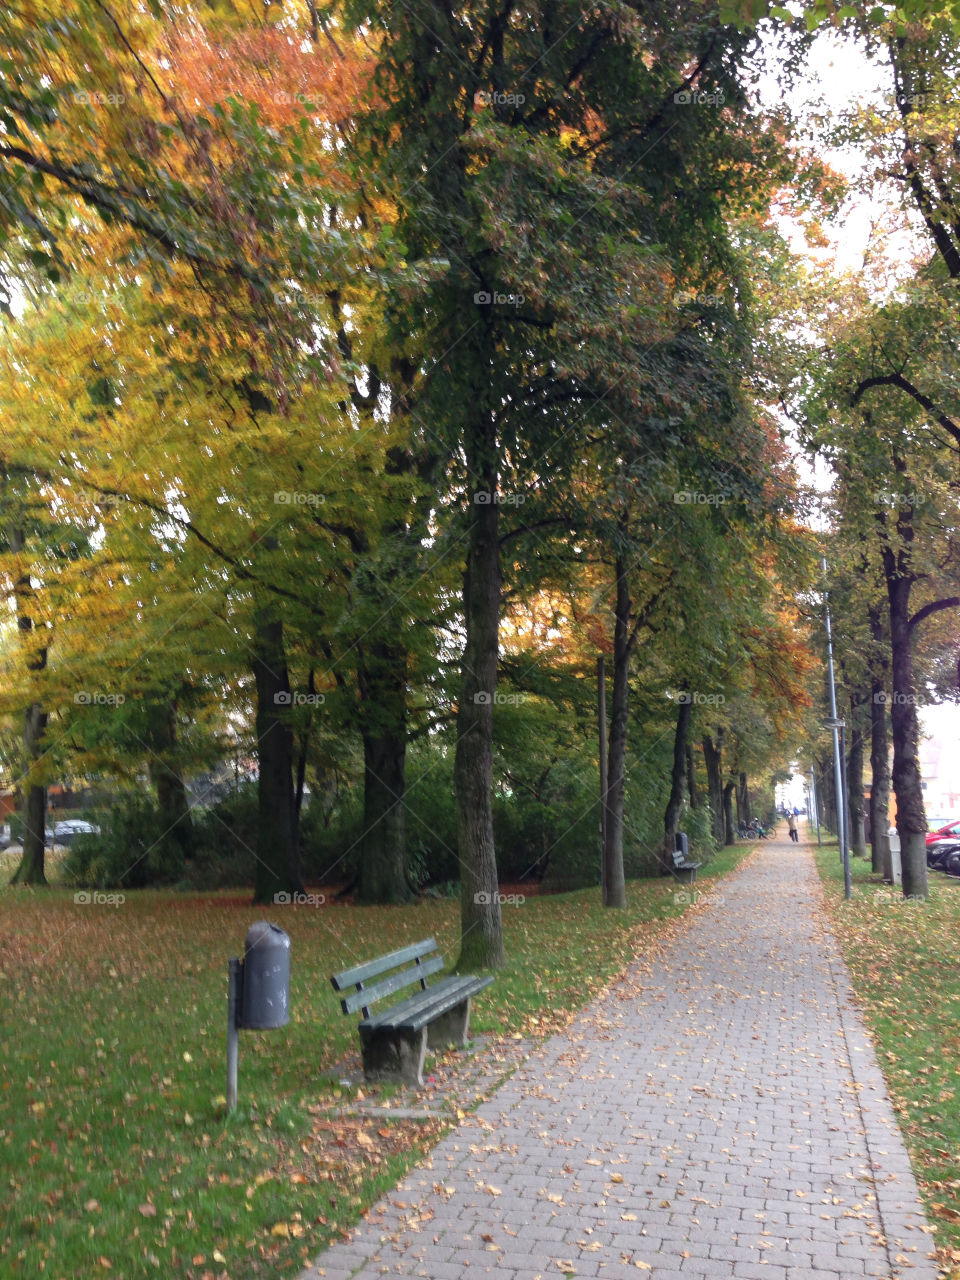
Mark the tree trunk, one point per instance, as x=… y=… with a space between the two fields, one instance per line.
x=879 y=781
x=905 y=732
x=828 y=793
x=743 y=799
x=615 y=894
x=693 y=793
x=481 y=927
x=729 y=826
x=713 y=760
x=278 y=854
x=168 y=781
x=675 y=801
x=383 y=865
x=31 y=867
x=383 y=687
x=858 y=839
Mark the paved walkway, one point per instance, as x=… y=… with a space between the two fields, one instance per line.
x=718 y=1112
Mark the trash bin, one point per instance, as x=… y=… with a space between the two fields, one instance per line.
x=266 y=978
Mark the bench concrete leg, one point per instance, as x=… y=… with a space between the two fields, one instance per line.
x=395 y=1055
x=451 y=1028
x=686 y=875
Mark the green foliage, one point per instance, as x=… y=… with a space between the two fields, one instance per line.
x=134 y=849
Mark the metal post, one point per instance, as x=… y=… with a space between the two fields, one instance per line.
x=835 y=727
x=233 y=1018
x=602 y=725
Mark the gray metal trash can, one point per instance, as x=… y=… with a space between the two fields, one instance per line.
x=266 y=978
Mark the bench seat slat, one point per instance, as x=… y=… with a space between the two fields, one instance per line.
x=396 y=982
x=373 y=968
x=423 y=1007
x=429 y=1012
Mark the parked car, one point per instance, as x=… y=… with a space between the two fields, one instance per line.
x=950 y=831
x=939 y=852
x=64 y=833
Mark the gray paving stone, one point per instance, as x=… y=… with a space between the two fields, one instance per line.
x=719 y=1079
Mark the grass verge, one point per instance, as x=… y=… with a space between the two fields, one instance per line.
x=119 y=1159
x=903 y=958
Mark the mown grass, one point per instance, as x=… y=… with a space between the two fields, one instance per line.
x=903 y=957
x=119 y=1157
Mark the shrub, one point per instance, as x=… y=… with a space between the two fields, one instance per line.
x=134 y=849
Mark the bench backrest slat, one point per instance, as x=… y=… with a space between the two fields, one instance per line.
x=382 y=964
x=405 y=978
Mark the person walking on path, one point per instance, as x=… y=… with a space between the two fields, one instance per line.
x=792 y=828
x=716 y=1114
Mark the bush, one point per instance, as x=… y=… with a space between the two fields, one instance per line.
x=698 y=825
x=134 y=849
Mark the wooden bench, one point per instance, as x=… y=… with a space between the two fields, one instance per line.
x=684 y=870
x=394 y=1041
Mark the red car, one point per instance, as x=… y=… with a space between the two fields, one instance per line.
x=945 y=833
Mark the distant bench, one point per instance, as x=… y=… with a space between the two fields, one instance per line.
x=394 y=1041
x=683 y=868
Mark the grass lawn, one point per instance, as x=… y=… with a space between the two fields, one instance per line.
x=905 y=960
x=119 y=1159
